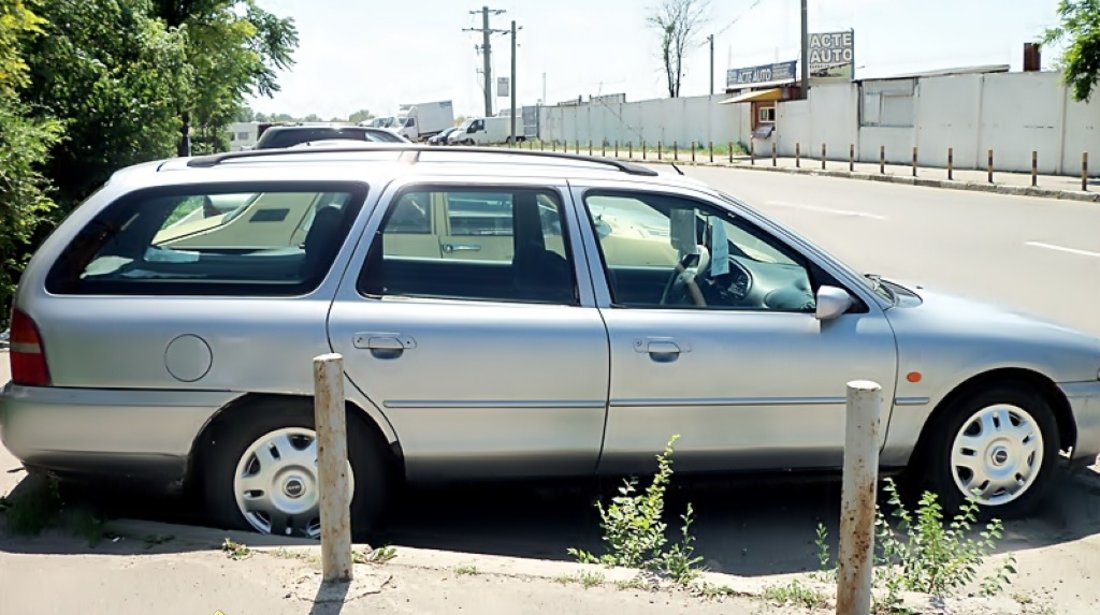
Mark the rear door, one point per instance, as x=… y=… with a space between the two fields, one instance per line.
x=495 y=364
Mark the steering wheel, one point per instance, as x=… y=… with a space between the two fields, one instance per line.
x=685 y=278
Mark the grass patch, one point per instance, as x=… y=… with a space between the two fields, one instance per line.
x=466 y=570
x=638 y=582
x=235 y=550
x=381 y=555
x=710 y=591
x=796 y=594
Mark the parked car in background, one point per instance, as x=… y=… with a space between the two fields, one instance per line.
x=441 y=138
x=502 y=314
x=483 y=131
x=288 y=136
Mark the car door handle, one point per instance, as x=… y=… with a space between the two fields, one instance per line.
x=392 y=342
x=461 y=247
x=661 y=349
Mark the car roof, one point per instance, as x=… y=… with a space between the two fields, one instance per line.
x=374 y=162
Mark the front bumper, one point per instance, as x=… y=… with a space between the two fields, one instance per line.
x=1084 y=401
x=125 y=433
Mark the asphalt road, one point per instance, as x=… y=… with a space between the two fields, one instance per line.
x=1035 y=255
x=1040 y=256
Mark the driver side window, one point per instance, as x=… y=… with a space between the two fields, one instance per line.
x=663 y=251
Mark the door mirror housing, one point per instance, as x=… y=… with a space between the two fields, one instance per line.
x=832 y=302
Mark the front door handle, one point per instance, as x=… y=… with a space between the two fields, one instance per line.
x=662 y=349
x=450 y=248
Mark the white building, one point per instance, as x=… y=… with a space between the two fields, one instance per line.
x=243 y=135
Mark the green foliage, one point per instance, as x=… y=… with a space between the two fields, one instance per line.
x=921 y=552
x=588 y=580
x=381 y=555
x=635 y=534
x=466 y=570
x=1080 y=27
x=796 y=594
x=361 y=115
x=235 y=550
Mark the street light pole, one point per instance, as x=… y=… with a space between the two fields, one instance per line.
x=513 y=83
x=805 y=66
x=711 y=39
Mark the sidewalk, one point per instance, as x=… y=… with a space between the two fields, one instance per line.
x=1048 y=186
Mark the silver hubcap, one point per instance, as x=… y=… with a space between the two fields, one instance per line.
x=276 y=483
x=997 y=454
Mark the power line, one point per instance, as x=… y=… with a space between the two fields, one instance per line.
x=737 y=19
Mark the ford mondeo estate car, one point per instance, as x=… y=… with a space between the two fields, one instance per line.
x=501 y=313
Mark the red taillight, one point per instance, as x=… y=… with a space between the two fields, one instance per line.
x=28 y=356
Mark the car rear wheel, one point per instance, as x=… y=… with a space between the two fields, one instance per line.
x=998 y=446
x=260 y=470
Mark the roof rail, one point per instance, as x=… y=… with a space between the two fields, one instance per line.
x=214 y=160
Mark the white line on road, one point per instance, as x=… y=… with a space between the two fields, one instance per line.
x=827 y=210
x=1048 y=246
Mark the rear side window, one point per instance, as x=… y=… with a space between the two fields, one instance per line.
x=275 y=137
x=248 y=240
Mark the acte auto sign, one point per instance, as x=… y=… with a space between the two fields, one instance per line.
x=832 y=55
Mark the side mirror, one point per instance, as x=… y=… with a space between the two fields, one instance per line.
x=832 y=302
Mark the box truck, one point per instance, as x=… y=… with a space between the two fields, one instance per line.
x=418 y=121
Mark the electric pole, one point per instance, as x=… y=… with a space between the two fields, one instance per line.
x=805 y=64
x=711 y=40
x=486 y=52
x=513 y=83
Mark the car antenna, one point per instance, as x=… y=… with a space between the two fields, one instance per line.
x=678 y=169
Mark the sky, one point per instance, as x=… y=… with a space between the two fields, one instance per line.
x=370 y=54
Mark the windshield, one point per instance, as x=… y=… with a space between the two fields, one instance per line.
x=871 y=281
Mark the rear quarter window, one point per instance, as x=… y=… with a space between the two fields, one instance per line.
x=245 y=239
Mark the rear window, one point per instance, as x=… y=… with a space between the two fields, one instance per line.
x=275 y=137
x=244 y=240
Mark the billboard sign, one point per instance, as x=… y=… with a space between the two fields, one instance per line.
x=741 y=77
x=832 y=56
x=503 y=87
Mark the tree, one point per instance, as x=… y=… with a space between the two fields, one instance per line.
x=1080 y=64
x=678 y=23
x=25 y=141
x=312 y=117
x=361 y=115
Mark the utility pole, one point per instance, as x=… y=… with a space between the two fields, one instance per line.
x=486 y=53
x=805 y=62
x=711 y=40
x=513 y=83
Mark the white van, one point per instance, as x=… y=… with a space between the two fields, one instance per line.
x=482 y=131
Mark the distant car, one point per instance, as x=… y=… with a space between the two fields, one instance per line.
x=289 y=136
x=441 y=138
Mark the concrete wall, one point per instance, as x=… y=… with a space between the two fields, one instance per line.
x=668 y=120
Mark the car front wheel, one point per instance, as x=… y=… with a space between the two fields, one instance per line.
x=998 y=446
x=260 y=471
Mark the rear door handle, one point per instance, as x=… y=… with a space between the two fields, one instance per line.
x=662 y=348
x=394 y=342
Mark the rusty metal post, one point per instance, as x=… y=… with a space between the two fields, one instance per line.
x=590 y=147
x=851 y=157
x=882 y=160
x=914 y=161
x=693 y=151
x=630 y=149
x=616 y=148
x=710 y=145
x=1084 y=171
x=855 y=565
x=603 y=147
x=332 y=466
x=773 y=154
x=659 y=150
x=950 y=163
x=676 y=151
x=798 y=155
x=1034 y=168
x=989 y=168
x=823 y=156
x=643 y=150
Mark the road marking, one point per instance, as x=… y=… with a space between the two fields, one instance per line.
x=827 y=210
x=1049 y=246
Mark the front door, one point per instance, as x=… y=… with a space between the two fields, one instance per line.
x=714 y=338
x=493 y=364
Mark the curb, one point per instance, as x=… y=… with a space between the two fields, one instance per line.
x=1050 y=193
x=194 y=537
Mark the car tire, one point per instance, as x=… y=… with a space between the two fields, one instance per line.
x=1005 y=435
x=230 y=439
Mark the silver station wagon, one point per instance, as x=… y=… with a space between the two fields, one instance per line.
x=502 y=314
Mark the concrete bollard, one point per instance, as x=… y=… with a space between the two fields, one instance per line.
x=950 y=163
x=851 y=157
x=1034 y=168
x=797 y=155
x=855 y=565
x=1084 y=171
x=330 y=418
x=882 y=160
x=989 y=167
